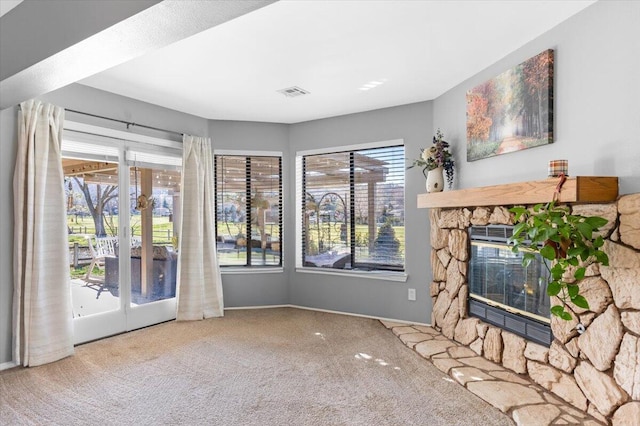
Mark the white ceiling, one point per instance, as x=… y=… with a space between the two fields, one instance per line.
x=417 y=49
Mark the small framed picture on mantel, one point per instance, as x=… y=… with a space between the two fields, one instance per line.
x=513 y=111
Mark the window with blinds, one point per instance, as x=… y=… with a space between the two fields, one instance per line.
x=249 y=210
x=352 y=210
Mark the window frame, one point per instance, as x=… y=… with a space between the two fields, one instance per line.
x=375 y=273
x=247 y=267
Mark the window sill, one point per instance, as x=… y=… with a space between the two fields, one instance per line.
x=251 y=270
x=375 y=275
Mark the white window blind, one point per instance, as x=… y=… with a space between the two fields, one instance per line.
x=150 y=159
x=249 y=209
x=351 y=211
x=72 y=147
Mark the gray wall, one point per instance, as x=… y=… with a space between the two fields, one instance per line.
x=387 y=299
x=597 y=114
x=8 y=149
x=256 y=289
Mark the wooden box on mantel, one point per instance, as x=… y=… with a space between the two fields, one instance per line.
x=579 y=189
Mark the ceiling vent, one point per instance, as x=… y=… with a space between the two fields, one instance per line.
x=292 y=92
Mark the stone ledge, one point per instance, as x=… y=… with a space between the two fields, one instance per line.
x=526 y=402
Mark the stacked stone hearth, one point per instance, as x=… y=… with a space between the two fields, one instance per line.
x=597 y=371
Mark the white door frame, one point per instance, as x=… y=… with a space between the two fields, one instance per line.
x=127 y=317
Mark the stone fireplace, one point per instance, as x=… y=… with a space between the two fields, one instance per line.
x=597 y=371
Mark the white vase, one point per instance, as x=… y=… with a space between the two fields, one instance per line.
x=435 y=180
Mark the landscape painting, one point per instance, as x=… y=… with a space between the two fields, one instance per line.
x=512 y=111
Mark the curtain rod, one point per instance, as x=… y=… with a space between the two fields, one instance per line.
x=123 y=122
x=126 y=122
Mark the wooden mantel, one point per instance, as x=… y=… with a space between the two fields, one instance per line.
x=579 y=189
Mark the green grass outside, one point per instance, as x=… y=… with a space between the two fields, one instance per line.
x=82 y=272
x=161 y=225
x=330 y=233
x=232 y=229
x=83 y=225
x=239 y=258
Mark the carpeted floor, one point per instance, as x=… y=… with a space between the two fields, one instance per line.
x=253 y=367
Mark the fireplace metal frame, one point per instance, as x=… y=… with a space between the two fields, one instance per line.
x=522 y=326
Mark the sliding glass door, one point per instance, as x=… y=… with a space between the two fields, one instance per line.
x=154 y=194
x=122 y=243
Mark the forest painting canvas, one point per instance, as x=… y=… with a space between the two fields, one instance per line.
x=512 y=111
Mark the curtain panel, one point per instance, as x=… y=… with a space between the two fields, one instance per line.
x=199 y=289
x=42 y=314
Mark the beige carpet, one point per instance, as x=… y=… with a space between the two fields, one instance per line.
x=253 y=367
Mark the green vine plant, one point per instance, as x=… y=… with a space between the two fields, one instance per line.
x=568 y=241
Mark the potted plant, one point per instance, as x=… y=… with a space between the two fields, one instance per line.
x=434 y=161
x=568 y=241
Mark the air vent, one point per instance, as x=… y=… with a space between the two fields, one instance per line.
x=292 y=92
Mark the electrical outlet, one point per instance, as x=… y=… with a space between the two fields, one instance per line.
x=412 y=294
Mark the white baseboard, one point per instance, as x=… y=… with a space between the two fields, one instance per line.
x=7 y=365
x=359 y=315
x=238 y=308
x=329 y=312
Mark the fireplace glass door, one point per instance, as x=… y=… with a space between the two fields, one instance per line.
x=498 y=278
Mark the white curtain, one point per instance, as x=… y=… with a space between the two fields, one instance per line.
x=42 y=316
x=199 y=293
